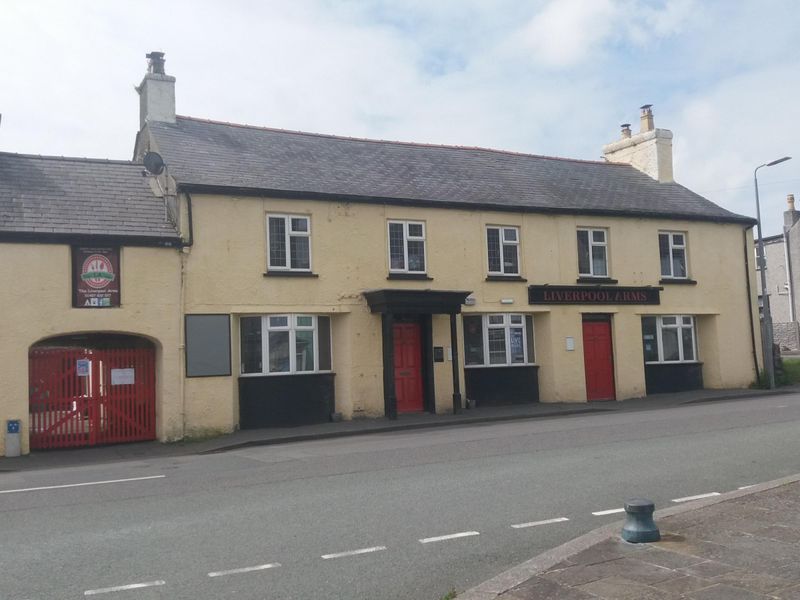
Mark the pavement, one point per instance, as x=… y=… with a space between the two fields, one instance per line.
x=366 y=426
x=743 y=545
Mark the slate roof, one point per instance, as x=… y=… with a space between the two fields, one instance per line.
x=208 y=154
x=47 y=196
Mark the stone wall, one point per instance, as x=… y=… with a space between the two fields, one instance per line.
x=787 y=335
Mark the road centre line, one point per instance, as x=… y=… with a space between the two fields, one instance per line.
x=72 y=485
x=610 y=511
x=122 y=588
x=696 y=497
x=244 y=570
x=451 y=536
x=353 y=552
x=537 y=523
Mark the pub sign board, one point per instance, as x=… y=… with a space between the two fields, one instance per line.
x=599 y=294
x=95 y=277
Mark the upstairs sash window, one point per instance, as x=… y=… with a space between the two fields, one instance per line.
x=503 y=250
x=289 y=243
x=672 y=249
x=592 y=253
x=406 y=247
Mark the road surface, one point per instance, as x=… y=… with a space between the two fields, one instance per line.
x=404 y=516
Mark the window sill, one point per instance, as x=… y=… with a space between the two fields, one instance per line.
x=677 y=281
x=589 y=279
x=410 y=276
x=673 y=363
x=505 y=278
x=515 y=365
x=287 y=374
x=290 y=274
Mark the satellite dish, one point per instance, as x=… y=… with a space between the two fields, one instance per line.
x=153 y=163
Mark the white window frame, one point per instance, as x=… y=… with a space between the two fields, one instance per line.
x=592 y=245
x=507 y=325
x=672 y=245
x=292 y=328
x=678 y=325
x=501 y=229
x=287 y=218
x=406 y=238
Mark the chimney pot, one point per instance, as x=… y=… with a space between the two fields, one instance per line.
x=155 y=63
x=626 y=130
x=790 y=201
x=646 y=119
x=156 y=92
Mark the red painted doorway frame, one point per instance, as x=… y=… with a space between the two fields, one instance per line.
x=598 y=359
x=408 y=375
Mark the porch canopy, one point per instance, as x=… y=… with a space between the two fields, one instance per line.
x=391 y=302
x=428 y=302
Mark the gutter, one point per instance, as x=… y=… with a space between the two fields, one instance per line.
x=45 y=237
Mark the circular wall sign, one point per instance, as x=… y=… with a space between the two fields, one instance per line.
x=97 y=271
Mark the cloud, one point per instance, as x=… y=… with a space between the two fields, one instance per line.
x=567 y=32
x=723 y=133
x=554 y=77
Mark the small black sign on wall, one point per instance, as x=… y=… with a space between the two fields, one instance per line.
x=438 y=354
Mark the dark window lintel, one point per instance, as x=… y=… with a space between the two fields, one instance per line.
x=290 y=274
x=505 y=278
x=410 y=276
x=677 y=281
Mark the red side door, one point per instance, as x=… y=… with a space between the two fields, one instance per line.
x=408 y=367
x=598 y=359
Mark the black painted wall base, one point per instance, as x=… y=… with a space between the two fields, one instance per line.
x=679 y=377
x=285 y=400
x=497 y=386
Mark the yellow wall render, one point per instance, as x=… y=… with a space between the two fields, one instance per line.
x=349 y=255
x=39 y=305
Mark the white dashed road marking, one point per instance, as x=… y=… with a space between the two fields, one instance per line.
x=537 y=523
x=244 y=570
x=610 y=511
x=452 y=536
x=697 y=497
x=353 y=552
x=72 y=485
x=122 y=588
x=746 y=487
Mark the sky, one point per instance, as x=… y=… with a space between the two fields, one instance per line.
x=553 y=77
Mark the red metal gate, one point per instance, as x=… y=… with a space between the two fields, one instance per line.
x=84 y=397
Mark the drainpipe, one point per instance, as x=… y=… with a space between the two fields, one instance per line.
x=182 y=321
x=789 y=281
x=750 y=303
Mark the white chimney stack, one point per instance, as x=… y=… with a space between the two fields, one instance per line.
x=650 y=150
x=156 y=92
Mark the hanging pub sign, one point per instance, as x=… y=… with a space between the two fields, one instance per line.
x=597 y=294
x=95 y=277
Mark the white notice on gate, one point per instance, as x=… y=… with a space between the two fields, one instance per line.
x=122 y=377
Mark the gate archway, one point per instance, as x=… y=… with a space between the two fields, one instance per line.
x=91 y=389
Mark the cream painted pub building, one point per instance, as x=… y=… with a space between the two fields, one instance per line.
x=320 y=277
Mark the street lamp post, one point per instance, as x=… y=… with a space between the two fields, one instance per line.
x=766 y=325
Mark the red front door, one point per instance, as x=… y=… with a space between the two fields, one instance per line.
x=408 y=367
x=598 y=360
